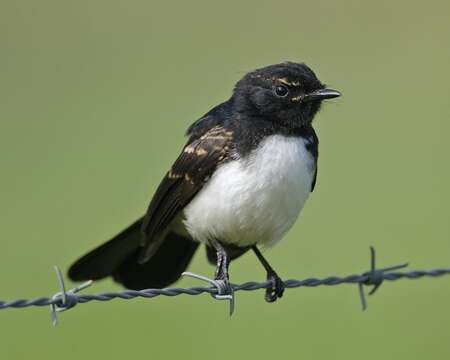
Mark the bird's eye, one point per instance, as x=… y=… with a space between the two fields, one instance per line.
x=281 y=90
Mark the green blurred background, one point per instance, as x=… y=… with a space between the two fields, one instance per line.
x=95 y=97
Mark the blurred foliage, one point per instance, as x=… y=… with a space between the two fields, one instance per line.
x=95 y=96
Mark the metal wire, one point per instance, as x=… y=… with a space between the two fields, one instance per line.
x=64 y=300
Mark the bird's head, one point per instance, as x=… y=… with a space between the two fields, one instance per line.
x=288 y=93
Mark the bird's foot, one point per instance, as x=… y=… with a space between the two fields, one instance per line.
x=222 y=284
x=276 y=290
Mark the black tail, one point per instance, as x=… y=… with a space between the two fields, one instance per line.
x=119 y=258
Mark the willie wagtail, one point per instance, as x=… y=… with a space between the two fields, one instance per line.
x=239 y=182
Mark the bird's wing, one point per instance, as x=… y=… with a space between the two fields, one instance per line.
x=312 y=146
x=195 y=165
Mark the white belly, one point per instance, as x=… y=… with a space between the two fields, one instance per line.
x=256 y=199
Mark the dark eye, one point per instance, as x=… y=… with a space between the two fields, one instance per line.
x=281 y=90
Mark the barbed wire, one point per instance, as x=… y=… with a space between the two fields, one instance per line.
x=67 y=299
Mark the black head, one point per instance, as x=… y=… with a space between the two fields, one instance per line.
x=287 y=93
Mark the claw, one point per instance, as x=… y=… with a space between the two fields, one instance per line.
x=277 y=289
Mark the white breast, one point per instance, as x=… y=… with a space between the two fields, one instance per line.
x=254 y=200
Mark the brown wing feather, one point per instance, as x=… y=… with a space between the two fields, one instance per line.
x=192 y=169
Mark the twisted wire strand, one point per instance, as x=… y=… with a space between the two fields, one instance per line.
x=67 y=299
x=197 y=290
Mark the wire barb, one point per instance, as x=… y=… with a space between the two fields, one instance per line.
x=225 y=291
x=64 y=300
x=375 y=277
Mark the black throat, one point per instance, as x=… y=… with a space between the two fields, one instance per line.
x=250 y=131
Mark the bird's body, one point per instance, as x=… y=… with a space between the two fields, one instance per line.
x=240 y=181
x=247 y=202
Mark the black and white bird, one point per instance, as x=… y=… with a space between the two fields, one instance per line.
x=239 y=183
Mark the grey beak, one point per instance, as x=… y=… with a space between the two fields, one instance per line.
x=322 y=94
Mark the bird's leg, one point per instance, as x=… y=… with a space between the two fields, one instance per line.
x=222 y=261
x=277 y=289
x=221 y=279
